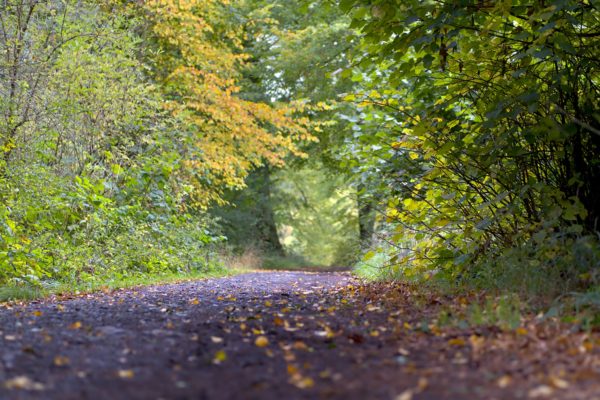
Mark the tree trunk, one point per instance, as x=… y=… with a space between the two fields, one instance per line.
x=366 y=221
x=266 y=227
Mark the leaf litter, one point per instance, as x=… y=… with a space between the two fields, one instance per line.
x=286 y=335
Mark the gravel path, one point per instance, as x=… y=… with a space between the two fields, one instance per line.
x=275 y=335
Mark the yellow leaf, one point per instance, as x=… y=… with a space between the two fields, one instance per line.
x=24 y=383
x=456 y=342
x=75 y=325
x=219 y=357
x=521 y=331
x=125 y=373
x=304 y=383
x=61 y=361
x=325 y=374
x=504 y=381
x=261 y=341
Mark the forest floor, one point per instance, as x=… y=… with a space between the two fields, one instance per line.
x=282 y=335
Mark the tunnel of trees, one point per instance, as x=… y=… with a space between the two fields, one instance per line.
x=409 y=138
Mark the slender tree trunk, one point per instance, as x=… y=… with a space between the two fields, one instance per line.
x=366 y=221
x=266 y=226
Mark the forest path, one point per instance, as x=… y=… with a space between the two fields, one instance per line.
x=271 y=335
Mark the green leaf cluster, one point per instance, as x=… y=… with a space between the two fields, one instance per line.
x=479 y=127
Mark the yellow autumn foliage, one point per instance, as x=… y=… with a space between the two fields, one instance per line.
x=200 y=63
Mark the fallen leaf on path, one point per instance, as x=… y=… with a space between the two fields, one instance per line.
x=125 y=373
x=298 y=345
x=558 y=382
x=521 y=331
x=216 y=339
x=403 y=351
x=261 y=341
x=292 y=369
x=540 y=391
x=406 y=395
x=302 y=382
x=24 y=383
x=504 y=381
x=75 y=325
x=219 y=357
x=325 y=374
x=61 y=361
x=457 y=342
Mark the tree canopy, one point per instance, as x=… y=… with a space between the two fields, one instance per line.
x=453 y=138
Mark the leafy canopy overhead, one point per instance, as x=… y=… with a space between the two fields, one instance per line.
x=199 y=62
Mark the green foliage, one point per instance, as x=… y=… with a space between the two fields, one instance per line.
x=375 y=266
x=88 y=170
x=295 y=48
x=504 y=312
x=478 y=126
x=317 y=216
x=287 y=263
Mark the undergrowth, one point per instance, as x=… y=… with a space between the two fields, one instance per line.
x=555 y=278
